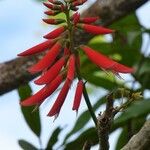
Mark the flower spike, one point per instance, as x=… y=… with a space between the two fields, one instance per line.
x=62 y=60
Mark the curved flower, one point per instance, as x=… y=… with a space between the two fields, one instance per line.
x=55 y=33
x=50 y=74
x=41 y=95
x=47 y=60
x=95 y=29
x=105 y=62
x=60 y=99
x=38 y=48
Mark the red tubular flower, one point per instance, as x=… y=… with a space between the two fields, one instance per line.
x=89 y=20
x=41 y=95
x=53 y=21
x=66 y=51
x=52 y=7
x=71 y=68
x=78 y=96
x=51 y=73
x=95 y=29
x=51 y=12
x=55 y=2
x=78 y=2
x=55 y=33
x=60 y=99
x=105 y=62
x=76 y=18
x=47 y=60
x=38 y=48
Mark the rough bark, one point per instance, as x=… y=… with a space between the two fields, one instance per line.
x=14 y=73
x=141 y=140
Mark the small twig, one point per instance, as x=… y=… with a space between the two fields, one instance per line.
x=87 y=145
x=104 y=124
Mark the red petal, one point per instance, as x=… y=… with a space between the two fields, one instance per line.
x=105 y=62
x=38 y=48
x=47 y=60
x=41 y=95
x=95 y=29
x=55 y=33
x=78 y=95
x=71 y=67
x=89 y=19
x=60 y=99
x=51 y=73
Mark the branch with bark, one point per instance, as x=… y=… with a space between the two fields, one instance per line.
x=14 y=73
x=141 y=140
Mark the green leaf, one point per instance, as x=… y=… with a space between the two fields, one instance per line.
x=100 y=81
x=26 y=145
x=136 y=110
x=32 y=118
x=90 y=135
x=53 y=139
x=143 y=76
x=84 y=118
x=128 y=39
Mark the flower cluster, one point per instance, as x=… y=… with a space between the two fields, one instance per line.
x=61 y=61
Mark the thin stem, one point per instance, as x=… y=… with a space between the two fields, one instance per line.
x=88 y=103
x=71 y=47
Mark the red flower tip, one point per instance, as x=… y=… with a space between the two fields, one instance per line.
x=41 y=95
x=55 y=2
x=104 y=62
x=51 y=12
x=53 y=7
x=78 y=2
x=89 y=20
x=95 y=29
x=53 y=21
x=60 y=99
x=78 y=95
x=76 y=18
x=55 y=33
x=47 y=60
x=38 y=48
x=51 y=73
x=71 y=68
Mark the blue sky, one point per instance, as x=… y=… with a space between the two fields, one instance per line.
x=20 y=28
